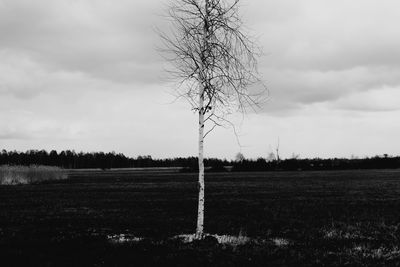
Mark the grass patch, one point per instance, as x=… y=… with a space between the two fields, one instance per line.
x=125 y=218
x=14 y=175
x=221 y=239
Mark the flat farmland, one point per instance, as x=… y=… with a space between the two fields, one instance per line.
x=333 y=218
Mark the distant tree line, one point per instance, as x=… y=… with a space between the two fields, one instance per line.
x=295 y=164
x=70 y=159
x=66 y=159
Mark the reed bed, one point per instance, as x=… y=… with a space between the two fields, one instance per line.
x=14 y=175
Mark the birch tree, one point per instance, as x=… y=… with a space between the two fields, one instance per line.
x=215 y=63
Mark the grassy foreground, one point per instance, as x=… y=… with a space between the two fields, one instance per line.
x=340 y=218
x=13 y=175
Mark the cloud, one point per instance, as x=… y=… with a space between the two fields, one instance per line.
x=314 y=51
x=108 y=41
x=24 y=78
x=294 y=89
x=24 y=124
x=319 y=51
x=12 y=134
x=328 y=35
x=85 y=75
x=378 y=100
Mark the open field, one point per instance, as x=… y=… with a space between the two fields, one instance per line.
x=337 y=218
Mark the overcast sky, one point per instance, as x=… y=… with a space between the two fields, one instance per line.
x=86 y=75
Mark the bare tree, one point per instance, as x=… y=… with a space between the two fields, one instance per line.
x=239 y=157
x=295 y=156
x=215 y=63
x=270 y=157
x=278 y=159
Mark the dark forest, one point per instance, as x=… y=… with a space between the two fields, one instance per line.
x=70 y=159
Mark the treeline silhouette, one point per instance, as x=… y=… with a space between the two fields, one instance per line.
x=70 y=159
x=261 y=164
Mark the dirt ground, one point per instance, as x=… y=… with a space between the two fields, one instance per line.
x=335 y=218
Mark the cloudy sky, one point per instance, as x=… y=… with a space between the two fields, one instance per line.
x=86 y=75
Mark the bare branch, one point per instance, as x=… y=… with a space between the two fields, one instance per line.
x=215 y=63
x=225 y=65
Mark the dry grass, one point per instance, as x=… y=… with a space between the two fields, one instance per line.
x=381 y=253
x=124 y=238
x=14 y=175
x=222 y=239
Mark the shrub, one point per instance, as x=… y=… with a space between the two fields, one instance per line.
x=13 y=175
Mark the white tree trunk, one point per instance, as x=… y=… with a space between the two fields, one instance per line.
x=200 y=212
